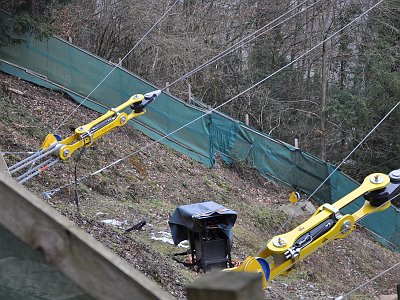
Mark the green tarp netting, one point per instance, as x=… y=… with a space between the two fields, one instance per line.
x=58 y=65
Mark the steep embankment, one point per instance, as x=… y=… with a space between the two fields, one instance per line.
x=150 y=184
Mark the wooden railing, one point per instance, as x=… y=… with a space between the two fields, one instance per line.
x=95 y=269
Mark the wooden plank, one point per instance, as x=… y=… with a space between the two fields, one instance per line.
x=227 y=286
x=3 y=165
x=94 y=268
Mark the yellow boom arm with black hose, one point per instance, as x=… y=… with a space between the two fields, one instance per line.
x=55 y=149
x=327 y=223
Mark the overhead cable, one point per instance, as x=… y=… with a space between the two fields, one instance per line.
x=118 y=65
x=228 y=101
x=332 y=238
x=357 y=146
x=263 y=30
x=365 y=283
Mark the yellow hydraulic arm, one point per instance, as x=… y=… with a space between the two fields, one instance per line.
x=55 y=149
x=327 y=223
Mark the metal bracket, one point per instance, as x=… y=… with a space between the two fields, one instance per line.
x=115 y=111
x=332 y=209
x=90 y=135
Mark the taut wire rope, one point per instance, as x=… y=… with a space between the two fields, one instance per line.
x=214 y=59
x=244 y=41
x=50 y=192
x=237 y=45
x=117 y=65
x=344 y=160
x=351 y=153
x=332 y=238
x=365 y=283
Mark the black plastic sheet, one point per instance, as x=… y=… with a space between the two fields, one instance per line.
x=193 y=217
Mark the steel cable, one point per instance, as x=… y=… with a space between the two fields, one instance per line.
x=332 y=238
x=118 y=65
x=50 y=192
x=214 y=59
x=365 y=283
x=244 y=41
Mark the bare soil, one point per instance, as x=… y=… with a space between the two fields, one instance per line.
x=151 y=183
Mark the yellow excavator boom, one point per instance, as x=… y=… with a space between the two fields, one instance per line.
x=55 y=149
x=327 y=223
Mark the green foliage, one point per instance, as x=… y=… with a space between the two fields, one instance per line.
x=33 y=17
x=347 y=109
x=375 y=91
x=25 y=23
x=5 y=37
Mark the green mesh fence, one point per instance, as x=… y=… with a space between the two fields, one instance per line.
x=58 y=65
x=277 y=160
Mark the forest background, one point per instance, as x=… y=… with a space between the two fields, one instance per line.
x=328 y=100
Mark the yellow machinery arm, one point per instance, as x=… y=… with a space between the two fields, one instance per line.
x=327 y=223
x=85 y=135
x=55 y=149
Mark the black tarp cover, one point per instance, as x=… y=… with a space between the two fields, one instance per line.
x=191 y=217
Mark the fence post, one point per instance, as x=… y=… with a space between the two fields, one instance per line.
x=167 y=88
x=189 y=93
x=246 y=119
x=296 y=142
x=227 y=286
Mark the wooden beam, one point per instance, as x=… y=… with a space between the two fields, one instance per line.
x=227 y=286
x=95 y=269
x=3 y=165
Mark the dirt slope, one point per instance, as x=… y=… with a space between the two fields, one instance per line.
x=150 y=184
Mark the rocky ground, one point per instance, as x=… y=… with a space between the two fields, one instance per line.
x=150 y=184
